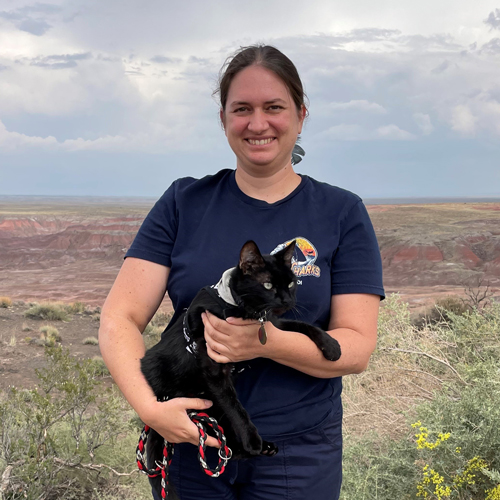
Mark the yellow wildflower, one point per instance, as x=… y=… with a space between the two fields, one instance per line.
x=493 y=494
x=424 y=434
x=468 y=476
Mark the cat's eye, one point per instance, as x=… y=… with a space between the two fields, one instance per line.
x=290 y=285
x=268 y=286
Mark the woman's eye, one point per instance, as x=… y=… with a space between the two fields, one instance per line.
x=268 y=286
x=291 y=284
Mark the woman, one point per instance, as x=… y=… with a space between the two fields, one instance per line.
x=194 y=233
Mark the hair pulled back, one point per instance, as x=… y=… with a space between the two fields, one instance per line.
x=268 y=57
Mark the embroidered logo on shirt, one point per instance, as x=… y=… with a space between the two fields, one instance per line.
x=304 y=257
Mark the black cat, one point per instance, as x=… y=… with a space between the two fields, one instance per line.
x=261 y=287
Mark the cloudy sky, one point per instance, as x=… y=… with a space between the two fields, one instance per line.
x=114 y=97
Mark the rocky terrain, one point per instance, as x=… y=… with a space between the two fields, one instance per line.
x=70 y=249
x=430 y=250
x=64 y=249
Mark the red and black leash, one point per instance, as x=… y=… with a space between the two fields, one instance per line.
x=202 y=420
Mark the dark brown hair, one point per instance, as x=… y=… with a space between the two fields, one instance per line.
x=268 y=57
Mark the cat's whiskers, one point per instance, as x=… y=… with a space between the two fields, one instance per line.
x=299 y=307
x=295 y=312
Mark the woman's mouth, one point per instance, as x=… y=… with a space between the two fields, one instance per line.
x=260 y=142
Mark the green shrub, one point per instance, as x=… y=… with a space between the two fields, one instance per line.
x=90 y=341
x=448 y=385
x=48 y=311
x=51 y=333
x=152 y=335
x=100 y=367
x=62 y=439
x=440 y=311
x=161 y=319
x=453 y=304
x=154 y=329
x=92 y=310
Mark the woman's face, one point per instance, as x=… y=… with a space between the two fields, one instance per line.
x=261 y=121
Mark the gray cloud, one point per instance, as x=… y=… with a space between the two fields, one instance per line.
x=392 y=93
x=493 y=46
x=24 y=19
x=36 y=27
x=11 y=15
x=165 y=59
x=60 y=61
x=44 y=8
x=202 y=61
x=373 y=34
x=494 y=19
x=442 y=67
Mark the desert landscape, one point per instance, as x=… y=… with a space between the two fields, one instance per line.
x=67 y=251
x=70 y=249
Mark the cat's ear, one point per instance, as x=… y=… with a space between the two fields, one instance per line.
x=287 y=253
x=250 y=258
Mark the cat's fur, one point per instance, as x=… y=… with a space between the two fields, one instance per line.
x=179 y=366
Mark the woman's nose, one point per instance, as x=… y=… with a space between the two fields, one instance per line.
x=258 y=122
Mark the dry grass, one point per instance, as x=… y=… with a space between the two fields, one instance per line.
x=75 y=307
x=51 y=311
x=161 y=319
x=90 y=341
x=50 y=333
x=152 y=332
x=5 y=302
x=408 y=366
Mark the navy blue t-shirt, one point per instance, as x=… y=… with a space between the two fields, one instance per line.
x=197 y=229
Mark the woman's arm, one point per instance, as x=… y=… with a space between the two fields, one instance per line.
x=130 y=305
x=353 y=323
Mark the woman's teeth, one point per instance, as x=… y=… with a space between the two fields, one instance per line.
x=261 y=142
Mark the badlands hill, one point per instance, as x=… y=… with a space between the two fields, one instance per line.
x=70 y=249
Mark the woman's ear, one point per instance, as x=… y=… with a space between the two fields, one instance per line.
x=221 y=118
x=302 y=116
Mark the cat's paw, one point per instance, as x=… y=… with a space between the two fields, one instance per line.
x=331 y=350
x=268 y=449
x=252 y=444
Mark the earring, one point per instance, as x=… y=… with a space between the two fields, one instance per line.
x=297 y=153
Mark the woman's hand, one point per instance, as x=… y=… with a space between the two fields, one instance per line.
x=231 y=340
x=171 y=420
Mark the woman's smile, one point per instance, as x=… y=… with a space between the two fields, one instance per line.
x=261 y=120
x=260 y=142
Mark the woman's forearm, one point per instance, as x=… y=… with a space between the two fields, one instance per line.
x=122 y=348
x=298 y=351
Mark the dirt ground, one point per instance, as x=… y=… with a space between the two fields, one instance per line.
x=19 y=358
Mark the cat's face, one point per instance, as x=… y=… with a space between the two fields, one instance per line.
x=265 y=282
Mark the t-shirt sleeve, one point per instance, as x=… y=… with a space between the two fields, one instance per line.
x=356 y=265
x=156 y=236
